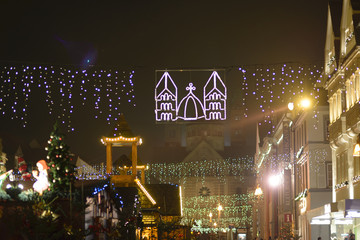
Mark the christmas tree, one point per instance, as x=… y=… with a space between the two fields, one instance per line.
x=287 y=233
x=62 y=169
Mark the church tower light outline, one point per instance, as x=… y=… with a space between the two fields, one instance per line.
x=166 y=99
x=215 y=95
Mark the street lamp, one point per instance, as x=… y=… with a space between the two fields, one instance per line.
x=258 y=191
x=210 y=215
x=305 y=103
x=274 y=180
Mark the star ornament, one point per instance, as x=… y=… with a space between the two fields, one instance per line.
x=204 y=192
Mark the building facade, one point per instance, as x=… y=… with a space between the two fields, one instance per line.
x=312 y=171
x=294 y=172
x=272 y=162
x=342 y=82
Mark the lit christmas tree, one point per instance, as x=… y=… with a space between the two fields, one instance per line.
x=287 y=233
x=62 y=170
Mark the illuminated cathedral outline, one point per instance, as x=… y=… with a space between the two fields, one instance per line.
x=190 y=107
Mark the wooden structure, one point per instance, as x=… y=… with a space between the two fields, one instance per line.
x=123 y=137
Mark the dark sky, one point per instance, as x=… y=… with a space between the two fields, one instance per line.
x=150 y=35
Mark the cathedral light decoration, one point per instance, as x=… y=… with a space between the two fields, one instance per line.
x=190 y=107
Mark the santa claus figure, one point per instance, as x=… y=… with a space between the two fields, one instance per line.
x=23 y=169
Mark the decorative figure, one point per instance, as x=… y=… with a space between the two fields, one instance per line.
x=25 y=175
x=41 y=176
x=3 y=159
x=4 y=176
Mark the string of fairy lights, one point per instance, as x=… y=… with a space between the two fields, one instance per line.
x=237 y=209
x=272 y=87
x=65 y=90
x=176 y=173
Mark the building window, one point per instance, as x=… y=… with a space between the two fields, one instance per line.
x=357 y=85
x=350 y=92
x=338 y=104
x=329 y=175
x=326 y=127
x=331 y=111
x=341 y=168
x=335 y=105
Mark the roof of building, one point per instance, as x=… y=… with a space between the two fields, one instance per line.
x=122 y=128
x=167 y=197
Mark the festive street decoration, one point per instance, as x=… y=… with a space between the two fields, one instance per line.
x=3 y=177
x=190 y=107
x=3 y=159
x=287 y=233
x=64 y=89
x=272 y=87
x=62 y=169
x=175 y=173
x=23 y=169
x=41 y=176
x=237 y=211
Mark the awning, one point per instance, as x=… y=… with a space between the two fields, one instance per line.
x=342 y=212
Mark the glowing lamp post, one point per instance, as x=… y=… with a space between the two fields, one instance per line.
x=274 y=180
x=210 y=215
x=258 y=191
x=305 y=103
x=291 y=106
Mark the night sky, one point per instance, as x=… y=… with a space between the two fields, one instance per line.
x=145 y=36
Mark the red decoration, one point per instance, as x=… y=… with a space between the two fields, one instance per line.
x=25 y=175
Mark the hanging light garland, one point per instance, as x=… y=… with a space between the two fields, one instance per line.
x=271 y=87
x=64 y=89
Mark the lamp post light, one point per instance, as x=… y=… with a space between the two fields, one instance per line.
x=296 y=110
x=258 y=191
x=210 y=215
x=305 y=103
x=274 y=180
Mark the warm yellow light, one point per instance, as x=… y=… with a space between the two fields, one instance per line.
x=258 y=191
x=210 y=214
x=181 y=203
x=274 y=180
x=122 y=139
x=357 y=150
x=145 y=191
x=291 y=106
x=305 y=103
x=215 y=224
x=220 y=208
